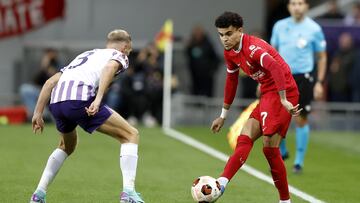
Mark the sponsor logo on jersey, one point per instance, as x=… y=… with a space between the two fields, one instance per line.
x=257 y=75
x=253 y=51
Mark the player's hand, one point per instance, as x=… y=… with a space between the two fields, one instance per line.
x=318 y=91
x=293 y=110
x=217 y=124
x=37 y=123
x=93 y=108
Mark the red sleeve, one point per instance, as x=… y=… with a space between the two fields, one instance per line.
x=269 y=63
x=263 y=58
x=231 y=86
x=231 y=83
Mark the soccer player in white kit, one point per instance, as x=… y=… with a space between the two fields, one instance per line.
x=76 y=94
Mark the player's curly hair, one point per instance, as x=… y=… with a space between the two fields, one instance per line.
x=228 y=19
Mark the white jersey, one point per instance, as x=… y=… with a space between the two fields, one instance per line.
x=80 y=79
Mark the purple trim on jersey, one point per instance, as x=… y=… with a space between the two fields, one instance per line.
x=61 y=90
x=68 y=92
x=69 y=114
x=79 y=90
x=53 y=94
x=89 y=92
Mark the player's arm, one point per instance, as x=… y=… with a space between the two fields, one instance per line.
x=321 y=71
x=107 y=75
x=231 y=83
x=232 y=78
x=269 y=63
x=319 y=45
x=44 y=96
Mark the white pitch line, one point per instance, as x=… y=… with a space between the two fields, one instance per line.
x=223 y=157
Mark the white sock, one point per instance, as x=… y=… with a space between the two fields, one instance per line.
x=128 y=164
x=285 y=201
x=223 y=181
x=55 y=161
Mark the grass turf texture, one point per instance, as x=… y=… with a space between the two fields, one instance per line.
x=167 y=167
x=332 y=165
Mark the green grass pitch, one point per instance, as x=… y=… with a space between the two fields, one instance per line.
x=167 y=167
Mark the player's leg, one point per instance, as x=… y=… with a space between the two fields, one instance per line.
x=283 y=150
x=250 y=133
x=66 y=147
x=275 y=121
x=302 y=133
x=118 y=128
x=302 y=130
x=276 y=163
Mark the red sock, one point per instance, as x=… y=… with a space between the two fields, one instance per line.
x=278 y=171
x=242 y=150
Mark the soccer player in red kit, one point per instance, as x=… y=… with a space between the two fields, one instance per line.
x=278 y=100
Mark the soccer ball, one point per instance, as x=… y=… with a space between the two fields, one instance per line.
x=205 y=189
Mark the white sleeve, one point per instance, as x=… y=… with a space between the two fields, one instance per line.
x=122 y=59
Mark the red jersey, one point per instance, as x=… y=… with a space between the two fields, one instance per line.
x=261 y=62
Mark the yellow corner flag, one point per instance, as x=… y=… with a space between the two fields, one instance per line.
x=235 y=129
x=165 y=35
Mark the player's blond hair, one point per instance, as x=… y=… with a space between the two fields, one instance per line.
x=118 y=35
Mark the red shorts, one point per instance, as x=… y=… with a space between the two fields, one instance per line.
x=272 y=115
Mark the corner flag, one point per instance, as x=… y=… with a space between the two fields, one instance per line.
x=236 y=128
x=165 y=35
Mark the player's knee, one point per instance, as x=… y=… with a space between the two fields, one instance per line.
x=133 y=135
x=267 y=141
x=68 y=149
x=271 y=141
